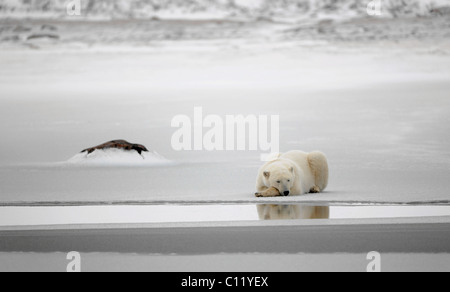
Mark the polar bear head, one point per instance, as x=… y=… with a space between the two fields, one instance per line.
x=281 y=176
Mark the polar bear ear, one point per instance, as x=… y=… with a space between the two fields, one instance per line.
x=266 y=174
x=292 y=169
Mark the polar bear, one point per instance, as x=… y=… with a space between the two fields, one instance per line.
x=293 y=174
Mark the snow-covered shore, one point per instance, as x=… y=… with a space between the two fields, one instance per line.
x=427 y=34
x=219 y=9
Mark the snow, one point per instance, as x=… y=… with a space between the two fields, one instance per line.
x=117 y=158
x=382 y=119
x=217 y=9
x=372 y=94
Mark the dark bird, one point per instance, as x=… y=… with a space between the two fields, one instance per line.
x=118 y=144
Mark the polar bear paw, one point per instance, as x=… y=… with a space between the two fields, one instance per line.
x=315 y=190
x=272 y=192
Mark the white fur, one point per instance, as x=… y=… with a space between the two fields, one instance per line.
x=295 y=173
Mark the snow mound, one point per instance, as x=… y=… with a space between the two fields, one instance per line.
x=118 y=157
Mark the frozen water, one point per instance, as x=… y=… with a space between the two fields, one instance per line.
x=381 y=117
x=371 y=94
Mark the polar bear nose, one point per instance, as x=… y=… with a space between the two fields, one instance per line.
x=286 y=193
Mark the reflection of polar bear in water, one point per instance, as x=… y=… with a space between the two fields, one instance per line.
x=292 y=174
x=289 y=212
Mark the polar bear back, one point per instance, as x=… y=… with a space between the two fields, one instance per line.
x=300 y=158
